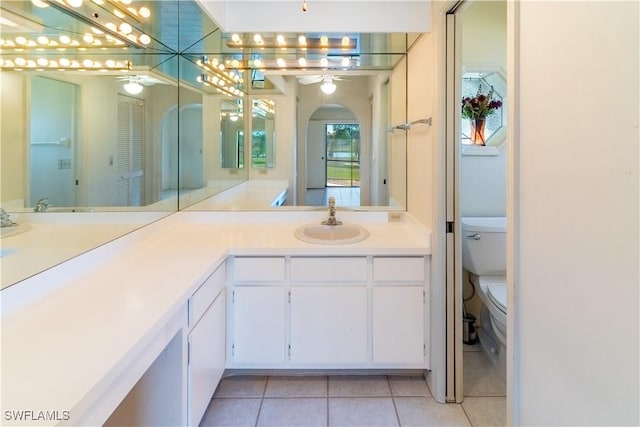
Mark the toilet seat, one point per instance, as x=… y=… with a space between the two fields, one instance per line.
x=497 y=293
x=493 y=293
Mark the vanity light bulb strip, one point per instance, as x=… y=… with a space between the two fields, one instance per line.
x=214 y=66
x=334 y=62
x=220 y=85
x=62 y=64
x=265 y=105
x=120 y=31
x=282 y=42
x=96 y=39
x=224 y=80
x=122 y=8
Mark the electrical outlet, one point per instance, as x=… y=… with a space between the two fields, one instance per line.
x=262 y=171
x=395 y=216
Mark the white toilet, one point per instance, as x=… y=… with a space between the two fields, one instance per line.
x=484 y=256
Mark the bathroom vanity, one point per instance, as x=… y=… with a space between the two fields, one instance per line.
x=327 y=312
x=142 y=329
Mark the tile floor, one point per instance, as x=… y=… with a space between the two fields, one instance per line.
x=349 y=400
x=345 y=196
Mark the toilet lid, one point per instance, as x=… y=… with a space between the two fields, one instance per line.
x=497 y=292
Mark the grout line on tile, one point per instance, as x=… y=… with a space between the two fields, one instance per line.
x=264 y=391
x=328 y=410
x=393 y=400
x=465 y=413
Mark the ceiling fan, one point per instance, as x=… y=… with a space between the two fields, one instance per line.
x=328 y=86
x=134 y=84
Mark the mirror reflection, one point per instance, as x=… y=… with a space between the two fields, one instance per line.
x=263 y=141
x=116 y=115
x=231 y=134
x=88 y=142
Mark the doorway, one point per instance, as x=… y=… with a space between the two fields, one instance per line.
x=333 y=157
x=53 y=145
x=342 y=142
x=476 y=41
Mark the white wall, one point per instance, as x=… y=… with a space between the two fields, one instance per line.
x=484 y=35
x=13 y=119
x=420 y=138
x=483 y=185
x=397 y=152
x=575 y=213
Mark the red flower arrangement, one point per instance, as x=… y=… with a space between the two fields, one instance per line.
x=480 y=106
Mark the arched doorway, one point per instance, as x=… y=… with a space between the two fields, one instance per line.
x=181 y=133
x=333 y=156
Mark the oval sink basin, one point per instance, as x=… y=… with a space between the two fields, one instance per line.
x=331 y=234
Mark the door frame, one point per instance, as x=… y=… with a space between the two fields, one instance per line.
x=453 y=275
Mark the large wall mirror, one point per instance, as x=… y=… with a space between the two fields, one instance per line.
x=112 y=120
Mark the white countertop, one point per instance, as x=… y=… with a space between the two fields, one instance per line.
x=250 y=195
x=71 y=331
x=51 y=238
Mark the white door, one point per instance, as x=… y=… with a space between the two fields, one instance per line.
x=206 y=358
x=190 y=144
x=258 y=324
x=130 y=152
x=53 y=145
x=329 y=324
x=316 y=151
x=399 y=325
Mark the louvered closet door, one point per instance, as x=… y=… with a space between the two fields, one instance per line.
x=130 y=164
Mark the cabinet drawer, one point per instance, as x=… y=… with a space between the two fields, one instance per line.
x=258 y=269
x=399 y=269
x=205 y=295
x=329 y=269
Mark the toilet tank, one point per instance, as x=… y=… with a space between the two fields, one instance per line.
x=484 y=245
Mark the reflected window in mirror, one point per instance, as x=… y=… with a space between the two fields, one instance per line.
x=232 y=133
x=483 y=96
x=263 y=133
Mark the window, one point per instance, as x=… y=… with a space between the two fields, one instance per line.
x=472 y=82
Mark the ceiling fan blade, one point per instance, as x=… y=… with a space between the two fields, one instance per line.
x=143 y=79
x=149 y=80
x=306 y=80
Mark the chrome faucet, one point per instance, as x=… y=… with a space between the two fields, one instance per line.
x=332 y=213
x=5 y=219
x=41 y=205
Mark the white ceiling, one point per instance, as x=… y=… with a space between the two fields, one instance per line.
x=365 y=16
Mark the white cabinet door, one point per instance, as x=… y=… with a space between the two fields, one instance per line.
x=329 y=324
x=258 y=324
x=398 y=325
x=206 y=358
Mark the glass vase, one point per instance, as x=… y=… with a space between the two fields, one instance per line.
x=477 y=131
